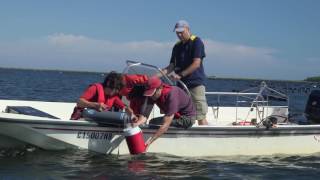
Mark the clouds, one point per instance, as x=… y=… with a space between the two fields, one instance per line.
x=77 y=52
x=103 y=55
x=232 y=52
x=238 y=60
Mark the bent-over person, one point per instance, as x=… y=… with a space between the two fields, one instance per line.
x=174 y=103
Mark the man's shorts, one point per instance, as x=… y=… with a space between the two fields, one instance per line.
x=182 y=122
x=200 y=101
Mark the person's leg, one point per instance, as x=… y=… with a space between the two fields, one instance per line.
x=200 y=101
x=182 y=122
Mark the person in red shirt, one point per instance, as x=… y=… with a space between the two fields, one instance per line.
x=133 y=88
x=102 y=96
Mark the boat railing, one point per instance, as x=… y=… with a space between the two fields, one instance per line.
x=258 y=102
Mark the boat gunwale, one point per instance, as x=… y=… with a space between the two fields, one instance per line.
x=279 y=130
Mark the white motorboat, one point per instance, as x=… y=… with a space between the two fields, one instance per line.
x=257 y=129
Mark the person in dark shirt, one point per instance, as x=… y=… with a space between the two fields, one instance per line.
x=174 y=103
x=186 y=64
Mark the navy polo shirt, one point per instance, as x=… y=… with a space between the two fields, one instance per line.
x=182 y=57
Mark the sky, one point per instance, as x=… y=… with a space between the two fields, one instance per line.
x=265 y=39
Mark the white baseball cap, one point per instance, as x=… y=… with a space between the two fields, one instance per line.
x=180 y=25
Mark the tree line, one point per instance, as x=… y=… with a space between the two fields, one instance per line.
x=313 y=79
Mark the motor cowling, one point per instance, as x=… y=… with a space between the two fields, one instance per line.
x=312 y=110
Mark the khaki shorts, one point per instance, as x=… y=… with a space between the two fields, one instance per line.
x=200 y=101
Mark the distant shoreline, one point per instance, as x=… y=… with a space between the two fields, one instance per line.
x=252 y=79
x=313 y=79
x=58 y=70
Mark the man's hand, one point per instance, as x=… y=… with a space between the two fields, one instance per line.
x=175 y=77
x=163 y=128
x=138 y=120
x=147 y=144
x=100 y=106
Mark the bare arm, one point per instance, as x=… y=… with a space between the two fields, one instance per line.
x=128 y=110
x=195 y=65
x=168 y=69
x=166 y=124
x=83 y=103
x=139 y=119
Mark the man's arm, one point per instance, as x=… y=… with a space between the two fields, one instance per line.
x=139 y=119
x=171 y=65
x=83 y=103
x=168 y=69
x=189 y=70
x=166 y=124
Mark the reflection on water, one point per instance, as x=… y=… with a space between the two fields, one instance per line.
x=80 y=164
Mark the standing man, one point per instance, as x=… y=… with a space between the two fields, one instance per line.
x=186 y=63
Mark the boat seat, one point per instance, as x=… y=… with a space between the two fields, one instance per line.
x=27 y=110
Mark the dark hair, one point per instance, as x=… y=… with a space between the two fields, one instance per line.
x=137 y=91
x=113 y=81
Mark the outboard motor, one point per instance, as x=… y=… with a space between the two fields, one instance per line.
x=312 y=110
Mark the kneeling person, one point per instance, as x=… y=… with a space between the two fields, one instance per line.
x=101 y=96
x=173 y=102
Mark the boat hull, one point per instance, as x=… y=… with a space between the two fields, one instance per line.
x=219 y=139
x=197 y=141
x=7 y=142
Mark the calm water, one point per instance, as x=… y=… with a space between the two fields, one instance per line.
x=34 y=163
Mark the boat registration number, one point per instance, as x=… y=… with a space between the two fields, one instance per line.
x=94 y=135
